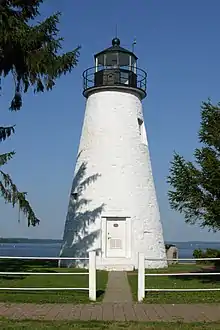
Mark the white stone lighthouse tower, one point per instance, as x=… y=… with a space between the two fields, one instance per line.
x=113 y=206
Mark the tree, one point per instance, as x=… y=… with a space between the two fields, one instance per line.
x=196 y=185
x=31 y=55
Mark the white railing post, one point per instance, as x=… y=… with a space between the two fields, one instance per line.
x=141 y=277
x=92 y=275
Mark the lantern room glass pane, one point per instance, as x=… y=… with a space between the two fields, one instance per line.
x=111 y=59
x=124 y=59
x=115 y=60
x=100 y=60
x=133 y=64
x=133 y=60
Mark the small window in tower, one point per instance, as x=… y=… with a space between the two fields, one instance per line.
x=142 y=132
x=140 y=122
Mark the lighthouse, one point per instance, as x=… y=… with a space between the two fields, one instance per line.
x=113 y=207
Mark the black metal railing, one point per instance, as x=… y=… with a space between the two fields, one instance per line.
x=128 y=76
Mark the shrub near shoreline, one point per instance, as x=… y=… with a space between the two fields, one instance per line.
x=208 y=253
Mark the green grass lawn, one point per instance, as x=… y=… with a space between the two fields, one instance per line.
x=174 y=282
x=48 y=281
x=8 y=324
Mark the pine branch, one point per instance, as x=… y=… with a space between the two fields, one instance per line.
x=11 y=195
x=4 y=158
x=209 y=132
x=5 y=132
x=32 y=53
x=196 y=186
x=28 y=9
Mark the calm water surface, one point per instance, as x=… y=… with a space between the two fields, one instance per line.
x=52 y=249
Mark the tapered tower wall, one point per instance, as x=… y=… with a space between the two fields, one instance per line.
x=113 y=180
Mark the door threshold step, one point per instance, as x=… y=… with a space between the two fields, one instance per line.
x=116 y=267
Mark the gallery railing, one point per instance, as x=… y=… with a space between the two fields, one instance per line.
x=127 y=76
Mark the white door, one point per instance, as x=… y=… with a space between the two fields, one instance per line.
x=116 y=237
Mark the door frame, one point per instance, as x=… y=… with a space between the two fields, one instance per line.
x=104 y=236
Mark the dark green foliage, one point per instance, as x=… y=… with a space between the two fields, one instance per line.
x=208 y=253
x=196 y=185
x=198 y=254
x=5 y=132
x=31 y=54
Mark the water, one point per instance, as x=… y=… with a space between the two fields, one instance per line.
x=52 y=249
x=30 y=249
x=186 y=248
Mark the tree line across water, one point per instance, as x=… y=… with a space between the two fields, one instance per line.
x=30 y=240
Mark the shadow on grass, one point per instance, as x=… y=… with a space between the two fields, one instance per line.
x=100 y=293
x=202 y=277
x=17 y=265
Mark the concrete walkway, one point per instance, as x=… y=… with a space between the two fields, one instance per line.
x=113 y=312
x=118 y=289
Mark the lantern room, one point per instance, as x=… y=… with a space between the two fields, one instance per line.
x=115 y=67
x=115 y=57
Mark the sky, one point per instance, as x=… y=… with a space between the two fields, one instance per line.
x=177 y=44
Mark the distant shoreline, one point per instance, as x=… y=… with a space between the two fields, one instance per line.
x=59 y=241
x=30 y=240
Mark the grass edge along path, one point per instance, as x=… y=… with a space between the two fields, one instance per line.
x=186 y=281
x=99 y=325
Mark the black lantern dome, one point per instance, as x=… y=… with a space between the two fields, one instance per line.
x=115 y=67
x=115 y=42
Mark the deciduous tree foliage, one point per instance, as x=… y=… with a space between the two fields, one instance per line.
x=31 y=54
x=196 y=185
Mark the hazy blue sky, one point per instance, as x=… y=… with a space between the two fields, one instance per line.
x=177 y=43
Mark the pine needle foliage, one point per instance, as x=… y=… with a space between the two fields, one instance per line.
x=196 y=185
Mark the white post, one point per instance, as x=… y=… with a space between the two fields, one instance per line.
x=92 y=275
x=141 y=277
